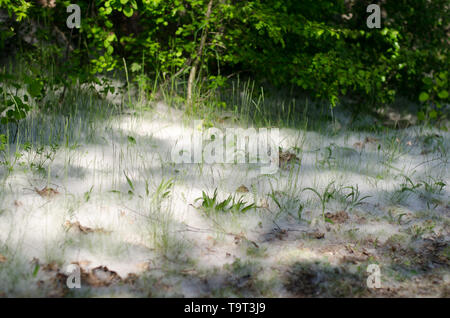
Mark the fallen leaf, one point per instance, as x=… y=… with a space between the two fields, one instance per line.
x=366 y=252
x=317 y=235
x=145 y=266
x=356 y=256
x=18 y=203
x=77 y=227
x=100 y=276
x=46 y=192
x=130 y=279
x=242 y=189
x=338 y=217
x=51 y=267
x=286 y=157
x=3 y=259
x=280 y=234
x=264 y=203
x=371 y=140
x=352 y=259
x=361 y=220
x=349 y=248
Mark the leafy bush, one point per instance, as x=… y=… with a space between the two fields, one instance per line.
x=434 y=95
x=321 y=47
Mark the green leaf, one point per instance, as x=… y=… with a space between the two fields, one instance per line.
x=109 y=24
x=135 y=67
x=423 y=97
x=129 y=181
x=443 y=94
x=128 y=12
x=36 y=270
x=427 y=81
x=131 y=140
x=35 y=87
x=421 y=115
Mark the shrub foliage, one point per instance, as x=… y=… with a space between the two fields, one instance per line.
x=322 y=47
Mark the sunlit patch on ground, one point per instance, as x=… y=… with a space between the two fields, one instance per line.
x=103 y=194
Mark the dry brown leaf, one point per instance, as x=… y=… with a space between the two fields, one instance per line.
x=17 y=203
x=130 y=279
x=3 y=259
x=46 y=192
x=371 y=140
x=239 y=237
x=242 y=189
x=355 y=256
x=361 y=220
x=77 y=227
x=366 y=252
x=145 y=266
x=353 y=259
x=338 y=217
x=317 y=235
x=286 y=157
x=281 y=234
x=102 y=276
x=51 y=267
x=264 y=203
x=349 y=248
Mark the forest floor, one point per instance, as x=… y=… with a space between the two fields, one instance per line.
x=96 y=187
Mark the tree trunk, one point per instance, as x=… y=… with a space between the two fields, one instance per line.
x=197 y=60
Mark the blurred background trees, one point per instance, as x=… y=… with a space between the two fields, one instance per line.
x=323 y=48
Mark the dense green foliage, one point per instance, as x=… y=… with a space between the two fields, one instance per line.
x=322 y=47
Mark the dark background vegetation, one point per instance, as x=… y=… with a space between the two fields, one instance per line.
x=321 y=48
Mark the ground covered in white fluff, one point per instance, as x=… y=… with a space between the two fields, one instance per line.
x=103 y=194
